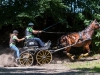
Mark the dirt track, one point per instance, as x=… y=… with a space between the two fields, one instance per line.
x=8 y=67
x=42 y=70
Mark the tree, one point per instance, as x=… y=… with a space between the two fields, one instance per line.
x=74 y=15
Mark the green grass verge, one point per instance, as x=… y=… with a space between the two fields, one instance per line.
x=86 y=65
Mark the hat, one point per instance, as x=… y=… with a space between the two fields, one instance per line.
x=31 y=24
x=15 y=31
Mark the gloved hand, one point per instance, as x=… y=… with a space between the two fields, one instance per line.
x=40 y=31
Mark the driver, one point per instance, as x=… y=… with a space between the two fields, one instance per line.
x=29 y=35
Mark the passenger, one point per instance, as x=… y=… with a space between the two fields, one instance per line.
x=29 y=35
x=12 y=43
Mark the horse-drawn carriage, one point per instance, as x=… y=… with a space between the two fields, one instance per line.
x=33 y=53
x=44 y=56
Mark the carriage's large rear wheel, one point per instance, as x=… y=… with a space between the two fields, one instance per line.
x=26 y=59
x=43 y=57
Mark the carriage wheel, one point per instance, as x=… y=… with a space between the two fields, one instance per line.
x=43 y=57
x=26 y=59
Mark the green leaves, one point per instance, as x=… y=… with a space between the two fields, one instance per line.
x=24 y=15
x=96 y=16
x=81 y=16
x=54 y=8
x=87 y=22
x=76 y=13
x=98 y=34
x=97 y=37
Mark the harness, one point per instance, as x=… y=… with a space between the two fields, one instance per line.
x=80 y=36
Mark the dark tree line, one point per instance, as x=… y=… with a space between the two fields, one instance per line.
x=74 y=15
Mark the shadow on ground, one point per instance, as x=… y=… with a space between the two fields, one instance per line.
x=36 y=71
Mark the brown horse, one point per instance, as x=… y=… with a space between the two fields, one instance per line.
x=79 y=39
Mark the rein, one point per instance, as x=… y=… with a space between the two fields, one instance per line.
x=54 y=32
x=53 y=25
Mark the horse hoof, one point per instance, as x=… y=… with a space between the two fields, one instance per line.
x=78 y=59
x=86 y=54
x=68 y=54
x=72 y=57
x=80 y=56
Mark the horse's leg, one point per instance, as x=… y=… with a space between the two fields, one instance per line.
x=68 y=54
x=86 y=47
x=66 y=41
x=80 y=56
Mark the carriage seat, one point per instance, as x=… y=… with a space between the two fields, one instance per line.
x=31 y=42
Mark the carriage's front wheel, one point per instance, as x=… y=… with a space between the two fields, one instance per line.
x=26 y=59
x=43 y=57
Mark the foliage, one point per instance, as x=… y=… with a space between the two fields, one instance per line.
x=74 y=14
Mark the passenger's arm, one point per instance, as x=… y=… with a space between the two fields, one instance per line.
x=16 y=38
x=20 y=39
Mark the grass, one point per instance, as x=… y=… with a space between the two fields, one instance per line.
x=86 y=65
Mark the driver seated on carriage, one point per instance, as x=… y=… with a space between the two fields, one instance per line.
x=29 y=34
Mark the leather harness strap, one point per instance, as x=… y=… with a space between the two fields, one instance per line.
x=80 y=36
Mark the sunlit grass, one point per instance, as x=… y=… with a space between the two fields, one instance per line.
x=86 y=65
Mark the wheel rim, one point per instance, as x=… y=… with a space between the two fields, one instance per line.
x=26 y=59
x=43 y=57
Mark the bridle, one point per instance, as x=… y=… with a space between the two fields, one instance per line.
x=87 y=30
x=96 y=23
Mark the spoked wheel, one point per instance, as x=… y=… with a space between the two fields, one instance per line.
x=26 y=59
x=43 y=57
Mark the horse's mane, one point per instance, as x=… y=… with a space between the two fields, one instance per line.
x=79 y=31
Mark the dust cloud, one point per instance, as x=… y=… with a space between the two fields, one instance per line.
x=6 y=59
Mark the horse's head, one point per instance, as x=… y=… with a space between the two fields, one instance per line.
x=96 y=25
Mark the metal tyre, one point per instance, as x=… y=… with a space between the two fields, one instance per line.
x=26 y=59
x=43 y=57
